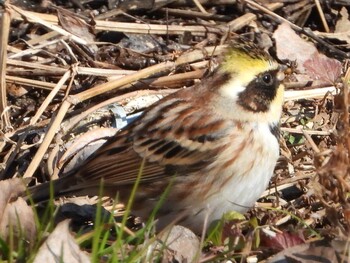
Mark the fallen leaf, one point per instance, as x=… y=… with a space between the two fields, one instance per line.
x=290 y=46
x=81 y=148
x=318 y=251
x=342 y=29
x=16 y=90
x=16 y=217
x=318 y=66
x=343 y=24
x=60 y=246
x=74 y=25
x=281 y=241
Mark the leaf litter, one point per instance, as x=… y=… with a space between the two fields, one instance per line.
x=59 y=52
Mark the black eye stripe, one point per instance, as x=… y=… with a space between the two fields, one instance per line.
x=267 y=78
x=260 y=92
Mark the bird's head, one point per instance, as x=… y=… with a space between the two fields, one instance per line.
x=251 y=87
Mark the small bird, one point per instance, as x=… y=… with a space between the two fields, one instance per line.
x=214 y=146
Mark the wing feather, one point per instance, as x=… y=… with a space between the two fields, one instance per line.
x=181 y=150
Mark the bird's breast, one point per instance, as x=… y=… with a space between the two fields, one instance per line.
x=242 y=171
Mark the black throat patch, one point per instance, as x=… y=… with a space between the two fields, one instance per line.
x=275 y=130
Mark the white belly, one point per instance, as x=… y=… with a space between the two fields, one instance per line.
x=252 y=172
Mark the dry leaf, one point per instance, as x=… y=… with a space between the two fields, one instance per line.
x=60 y=246
x=343 y=24
x=74 y=25
x=282 y=240
x=319 y=251
x=84 y=146
x=342 y=28
x=15 y=214
x=16 y=90
x=320 y=67
x=292 y=47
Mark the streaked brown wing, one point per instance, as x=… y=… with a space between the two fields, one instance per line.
x=118 y=168
x=173 y=137
x=119 y=164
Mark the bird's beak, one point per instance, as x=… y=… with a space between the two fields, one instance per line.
x=280 y=75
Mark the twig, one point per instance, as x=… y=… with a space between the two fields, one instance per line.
x=293 y=180
x=33 y=49
x=47 y=140
x=5 y=21
x=105 y=87
x=323 y=19
x=32 y=17
x=195 y=14
x=42 y=38
x=50 y=97
x=309 y=132
x=61 y=70
x=245 y=19
x=305 y=31
x=51 y=22
x=346 y=111
x=200 y=7
x=55 y=125
x=309 y=94
x=144 y=73
x=71 y=123
x=311 y=141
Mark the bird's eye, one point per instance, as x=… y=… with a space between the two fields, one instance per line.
x=267 y=79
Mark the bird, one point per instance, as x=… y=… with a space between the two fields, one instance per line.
x=211 y=147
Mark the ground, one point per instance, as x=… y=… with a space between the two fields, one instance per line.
x=64 y=63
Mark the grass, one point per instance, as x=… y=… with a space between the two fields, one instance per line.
x=234 y=236
x=106 y=241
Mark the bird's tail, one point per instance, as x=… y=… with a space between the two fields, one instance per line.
x=49 y=190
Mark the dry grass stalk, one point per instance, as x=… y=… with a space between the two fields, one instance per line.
x=51 y=21
x=5 y=21
x=55 y=125
x=32 y=83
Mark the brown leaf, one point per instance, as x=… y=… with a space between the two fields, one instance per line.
x=281 y=240
x=16 y=90
x=16 y=217
x=60 y=246
x=318 y=66
x=84 y=146
x=342 y=28
x=292 y=47
x=319 y=251
x=343 y=24
x=74 y=25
